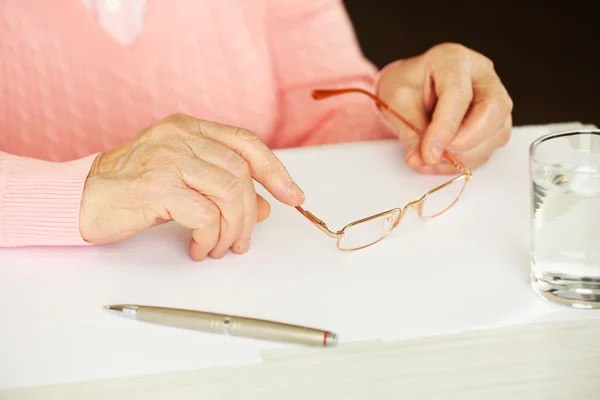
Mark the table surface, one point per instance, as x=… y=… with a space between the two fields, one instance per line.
x=414 y=305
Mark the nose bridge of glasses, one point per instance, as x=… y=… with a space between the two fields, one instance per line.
x=414 y=204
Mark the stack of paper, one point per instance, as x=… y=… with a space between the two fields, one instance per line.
x=536 y=362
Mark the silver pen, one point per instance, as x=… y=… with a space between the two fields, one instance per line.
x=226 y=324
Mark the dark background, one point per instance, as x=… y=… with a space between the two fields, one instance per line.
x=546 y=53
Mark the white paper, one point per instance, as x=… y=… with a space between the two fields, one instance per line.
x=467 y=269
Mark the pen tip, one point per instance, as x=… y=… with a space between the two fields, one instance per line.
x=331 y=339
x=114 y=307
x=122 y=308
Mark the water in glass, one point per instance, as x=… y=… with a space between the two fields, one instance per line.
x=565 y=174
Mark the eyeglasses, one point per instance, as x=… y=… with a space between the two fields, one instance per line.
x=368 y=231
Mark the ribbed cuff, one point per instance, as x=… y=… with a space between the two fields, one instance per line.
x=40 y=201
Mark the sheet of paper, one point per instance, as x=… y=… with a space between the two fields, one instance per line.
x=467 y=269
x=527 y=362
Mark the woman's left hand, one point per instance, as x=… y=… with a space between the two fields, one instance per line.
x=455 y=97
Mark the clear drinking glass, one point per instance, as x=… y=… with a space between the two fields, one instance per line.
x=565 y=238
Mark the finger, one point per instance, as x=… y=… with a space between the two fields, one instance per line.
x=474 y=157
x=490 y=112
x=441 y=168
x=480 y=154
x=265 y=167
x=410 y=140
x=223 y=189
x=194 y=211
x=414 y=159
x=399 y=87
x=404 y=101
x=223 y=157
x=263 y=213
x=264 y=208
x=454 y=92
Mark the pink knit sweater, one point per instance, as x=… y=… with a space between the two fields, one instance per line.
x=69 y=88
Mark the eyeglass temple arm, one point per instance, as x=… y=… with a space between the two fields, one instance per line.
x=317 y=222
x=325 y=93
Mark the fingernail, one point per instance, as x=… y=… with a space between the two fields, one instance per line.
x=295 y=191
x=217 y=254
x=427 y=169
x=436 y=152
x=412 y=160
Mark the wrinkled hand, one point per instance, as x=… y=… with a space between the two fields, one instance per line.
x=455 y=97
x=197 y=173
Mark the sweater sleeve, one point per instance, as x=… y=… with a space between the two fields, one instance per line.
x=40 y=201
x=313 y=46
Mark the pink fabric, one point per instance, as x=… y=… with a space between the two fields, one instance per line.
x=123 y=20
x=69 y=89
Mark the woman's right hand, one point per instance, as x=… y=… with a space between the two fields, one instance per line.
x=195 y=172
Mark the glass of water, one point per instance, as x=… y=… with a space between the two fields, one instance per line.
x=565 y=237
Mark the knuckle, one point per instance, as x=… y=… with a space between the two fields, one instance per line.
x=163 y=153
x=464 y=53
x=500 y=105
x=504 y=137
x=487 y=62
x=495 y=111
x=237 y=165
x=231 y=188
x=209 y=214
x=202 y=214
x=508 y=101
x=250 y=139
x=274 y=168
x=492 y=106
x=508 y=122
x=478 y=160
x=246 y=135
x=162 y=131
x=454 y=83
x=482 y=62
x=463 y=91
x=456 y=49
x=174 y=125
x=176 y=118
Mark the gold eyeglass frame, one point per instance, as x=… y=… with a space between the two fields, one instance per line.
x=465 y=173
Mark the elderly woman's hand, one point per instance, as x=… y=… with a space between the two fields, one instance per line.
x=197 y=173
x=454 y=95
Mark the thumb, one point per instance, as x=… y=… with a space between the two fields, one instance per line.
x=401 y=88
x=408 y=103
x=454 y=92
x=264 y=208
